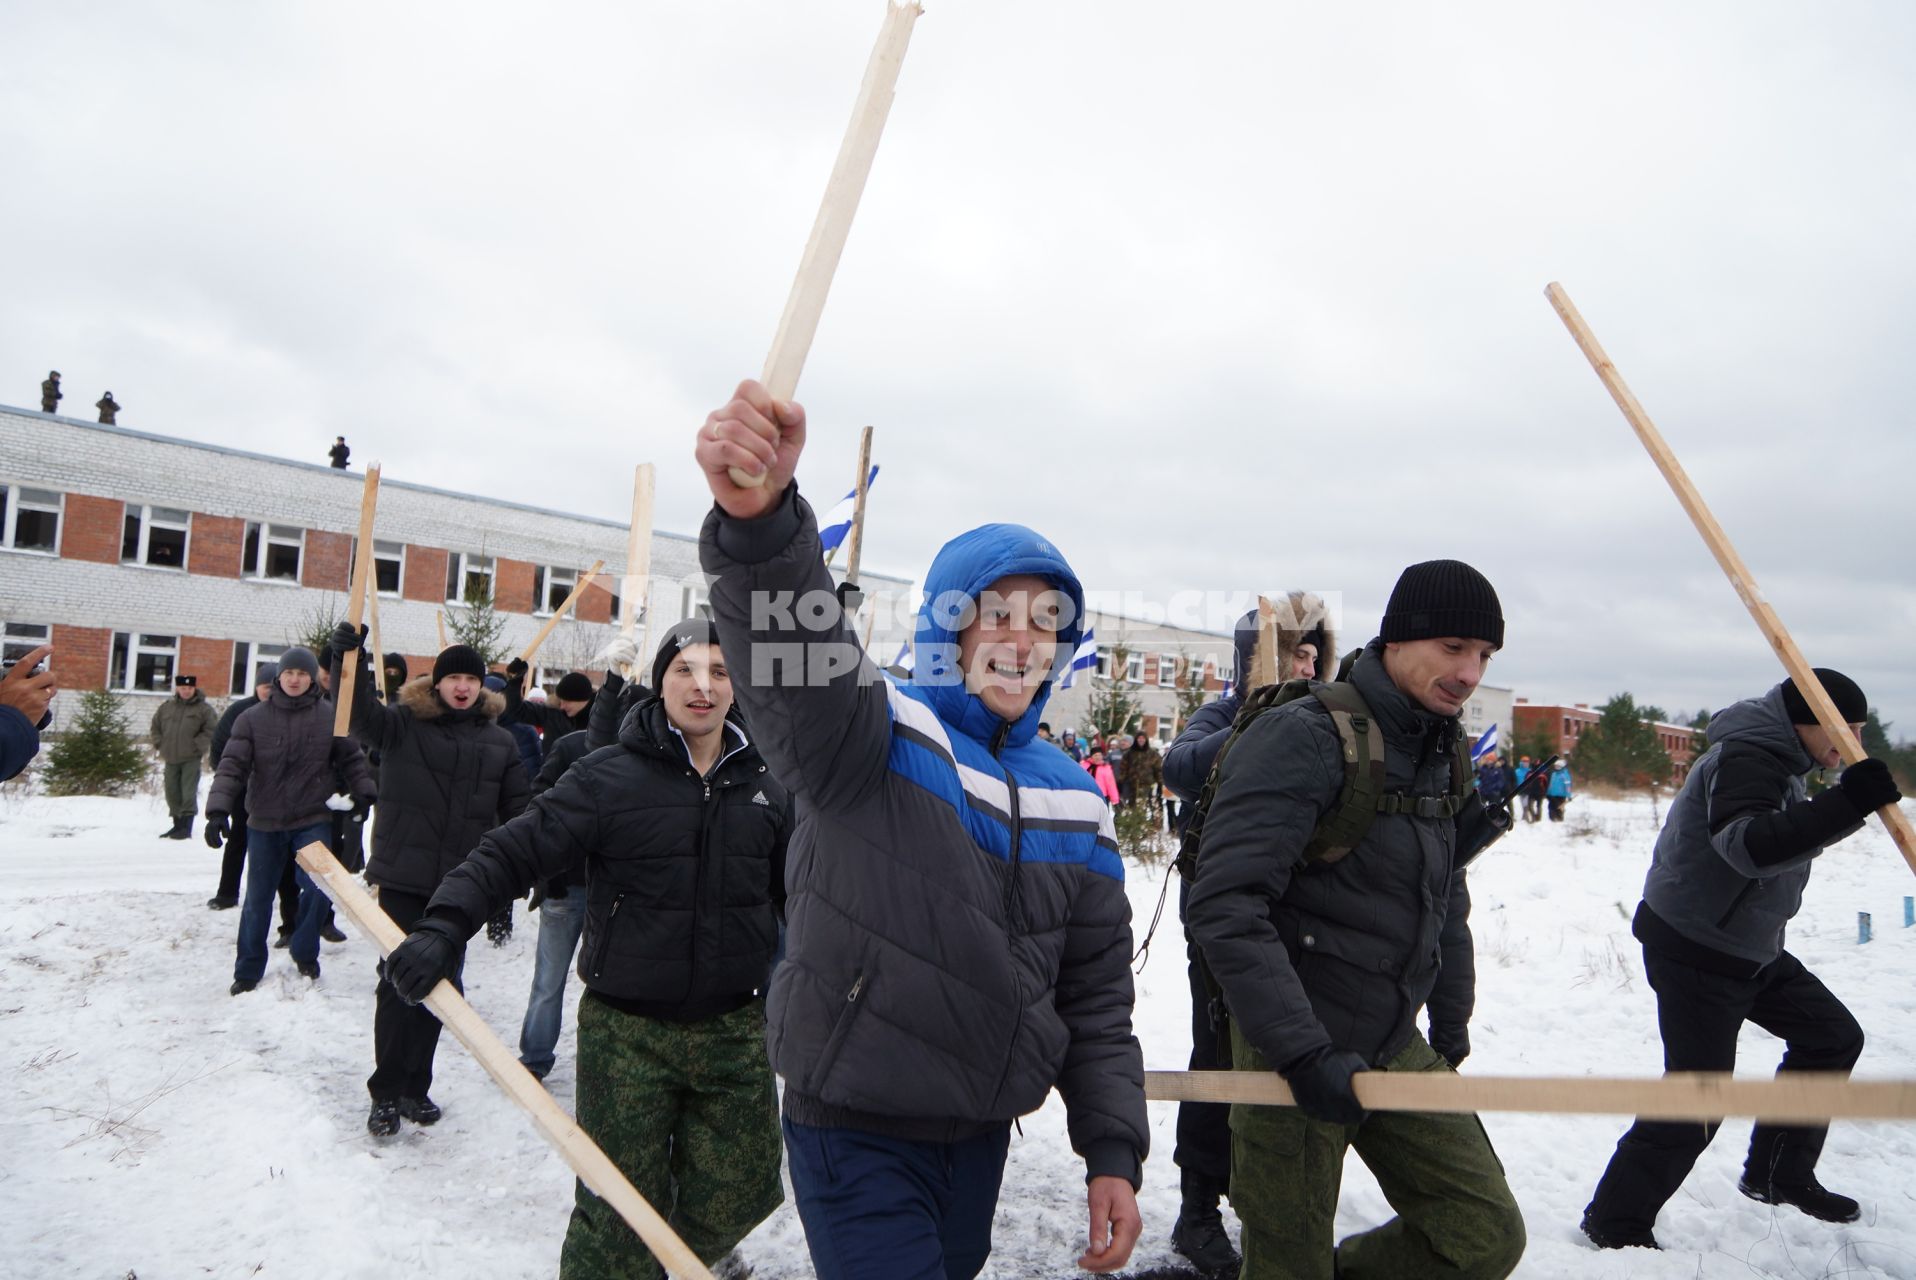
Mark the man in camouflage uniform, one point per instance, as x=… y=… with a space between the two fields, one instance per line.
x=182 y=732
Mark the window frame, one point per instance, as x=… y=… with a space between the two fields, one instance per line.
x=123 y=664
x=544 y=578
x=459 y=568
x=398 y=557
x=246 y=658
x=10 y=518
x=1168 y=670
x=261 y=535
x=1134 y=667
x=143 y=555
x=1104 y=662
x=14 y=647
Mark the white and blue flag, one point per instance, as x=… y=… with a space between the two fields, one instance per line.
x=836 y=523
x=904 y=659
x=1484 y=745
x=1084 y=659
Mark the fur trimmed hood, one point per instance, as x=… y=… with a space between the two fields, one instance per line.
x=417 y=696
x=1303 y=610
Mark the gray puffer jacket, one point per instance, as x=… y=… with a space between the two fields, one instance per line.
x=1342 y=954
x=958 y=939
x=1734 y=854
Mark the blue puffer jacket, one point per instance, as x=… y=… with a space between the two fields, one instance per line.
x=958 y=935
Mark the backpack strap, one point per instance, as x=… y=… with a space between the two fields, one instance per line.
x=1362 y=796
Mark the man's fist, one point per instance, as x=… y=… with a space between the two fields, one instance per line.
x=759 y=437
x=1869 y=785
x=347 y=637
x=26 y=691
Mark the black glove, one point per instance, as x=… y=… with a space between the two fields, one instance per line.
x=1869 y=786
x=1453 y=1043
x=430 y=954
x=361 y=808
x=347 y=637
x=216 y=828
x=516 y=672
x=1321 y=1084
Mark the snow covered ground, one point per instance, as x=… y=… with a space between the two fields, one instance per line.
x=156 y=1127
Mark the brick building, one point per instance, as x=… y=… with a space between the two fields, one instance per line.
x=140 y=556
x=1157 y=658
x=1564 y=725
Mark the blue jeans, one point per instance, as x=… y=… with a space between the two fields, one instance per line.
x=561 y=920
x=878 y=1208
x=267 y=855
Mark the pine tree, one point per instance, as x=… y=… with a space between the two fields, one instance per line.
x=314 y=626
x=1191 y=691
x=479 y=625
x=98 y=756
x=1621 y=748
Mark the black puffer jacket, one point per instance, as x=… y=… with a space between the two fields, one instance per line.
x=685 y=875
x=282 y=762
x=1341 y=954
x=609 y=707
x=445 y=778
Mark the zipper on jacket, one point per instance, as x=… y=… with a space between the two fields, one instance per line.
x=605 y=943
x=1011 y=909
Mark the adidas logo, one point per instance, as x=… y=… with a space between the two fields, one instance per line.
x=760 y=799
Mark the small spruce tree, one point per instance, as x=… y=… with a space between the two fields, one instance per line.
x=98 y=755
x=1621 y=748
x=1112 y=708
x=479 y=625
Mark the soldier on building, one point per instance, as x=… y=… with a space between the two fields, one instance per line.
x=109 y=409
x=182 y=732
x=50 y=395
x=339 y=453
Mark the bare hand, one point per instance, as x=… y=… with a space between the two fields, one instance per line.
x=1115 y=1224
x=757 y=435
x=28 y=692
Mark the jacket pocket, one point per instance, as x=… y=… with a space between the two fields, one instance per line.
x=856 y=998
x=604 y=947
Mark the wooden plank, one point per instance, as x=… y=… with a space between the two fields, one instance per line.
x=833 y=226
x=635 y=599
x=1264 y=661
x=379 y=654
x=1741 y=579
x=1796 y=1097
x=356 y=602
x=855 y=539
x=592 y=1165
x=558 y=615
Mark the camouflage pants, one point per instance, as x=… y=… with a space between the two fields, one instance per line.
x=688 y=1113
x=1456 y=1215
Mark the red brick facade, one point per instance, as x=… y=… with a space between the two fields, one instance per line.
x=1564 y=726
x=93 y=528
x=512 y=586
x=595 y=603
x=80 y=654
x=209 y=660
x=215 y=546
x=328 y=562
x=425 y=574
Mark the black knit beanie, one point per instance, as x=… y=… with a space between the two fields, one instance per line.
x=458 y=660
x=691 y=631
x=1443 y=598
x=1843 y=691
x=574 y=686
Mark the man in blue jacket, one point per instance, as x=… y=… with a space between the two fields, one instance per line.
x=1727 y=876
x=1306 y=650
x=958 y=936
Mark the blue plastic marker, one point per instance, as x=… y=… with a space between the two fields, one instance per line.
x=1862 y=927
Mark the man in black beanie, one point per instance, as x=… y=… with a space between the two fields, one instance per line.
x=1726 y=878
x=573 y=695
x=447 y=775
x=1327 y=950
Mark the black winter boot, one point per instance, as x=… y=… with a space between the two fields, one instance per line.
x=1812 y=1197
x=383 y=1120
x=1199 y=1235
x=420 y=1110
x=186 y=827
x=174 y=832
x=1611 y=1238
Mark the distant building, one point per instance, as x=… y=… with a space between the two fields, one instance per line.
x=1489 y=705
x=1565 y=725
x=1158 y=658
x=141 y=556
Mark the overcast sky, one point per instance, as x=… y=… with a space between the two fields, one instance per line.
x=1216 y=297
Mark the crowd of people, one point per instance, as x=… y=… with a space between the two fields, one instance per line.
x=904 y=897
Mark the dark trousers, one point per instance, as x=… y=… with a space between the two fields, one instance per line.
x=270 y=858
x=1700 y=1014
x=878 y=1208
x=233 y=861
x=1203 y=1151
x=1556 y=807
x=405 y=1036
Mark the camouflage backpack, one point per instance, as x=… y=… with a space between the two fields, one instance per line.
x=1360 y=799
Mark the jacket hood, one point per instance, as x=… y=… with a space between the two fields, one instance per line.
x=959 y=573
x=396 y=660
x=1763 y=722
x=1299 y=614
x=648 y=730
x=416 y=696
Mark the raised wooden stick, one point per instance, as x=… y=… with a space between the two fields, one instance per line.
x=558 y=615
x=1264 y=660
x=1731 y=563
x=855 y=537
x=442 y=630
x=1792 y=1096
x=592 y=1165
x=356 y=603
x=379 y=654
x=635 y=601
x=806 y=302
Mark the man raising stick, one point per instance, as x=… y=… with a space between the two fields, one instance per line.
x=958 y=935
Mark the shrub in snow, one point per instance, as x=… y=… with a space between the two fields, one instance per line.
x=97 y=756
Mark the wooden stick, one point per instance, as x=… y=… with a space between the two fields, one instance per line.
x=1731 y=563
x=636 y=598
x=1264 y=660
x=806 y=302
x=442 y=631
x=855 y=539
x=379 y=654
x=587 y=1160
x=356 y=602
x=558 y=615
x=1792 y=1096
